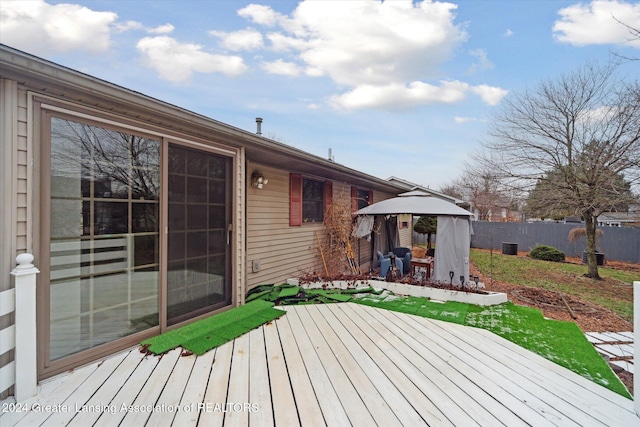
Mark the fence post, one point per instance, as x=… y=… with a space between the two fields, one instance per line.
x=25 y=315
x=636 y=347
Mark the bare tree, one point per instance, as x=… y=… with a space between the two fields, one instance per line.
x=576 y=135
x=634 y=34
x=485 y=191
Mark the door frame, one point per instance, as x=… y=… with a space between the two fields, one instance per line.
x=40 y=106
x=164 y=227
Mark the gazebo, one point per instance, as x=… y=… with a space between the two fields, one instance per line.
x=454 y=229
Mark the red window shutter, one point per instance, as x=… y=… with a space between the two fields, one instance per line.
x=328 y=195
x=295 y=199
x=370 y=197
x=354 y=199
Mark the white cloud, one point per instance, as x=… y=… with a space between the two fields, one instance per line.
x=491 y=95
x=280 y=42
x=121 y=27
x=281 y=67
x=41 y=28
x=176 y=61
x=260 y=14
x=595 y=23
x=239 y=40
x=597 y=115
x=162 y=29
x=371 y=42
x=507 y=33
x=384 y=53
x=417 y=93
x=483 y=62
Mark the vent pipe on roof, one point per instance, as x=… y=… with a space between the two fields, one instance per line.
x=330 y=155
x=259 y=125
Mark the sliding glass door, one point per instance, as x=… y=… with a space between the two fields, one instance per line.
x=109 y=279
x=104 y=236
x=198 y=267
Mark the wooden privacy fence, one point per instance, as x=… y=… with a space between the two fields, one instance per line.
x=617 y=243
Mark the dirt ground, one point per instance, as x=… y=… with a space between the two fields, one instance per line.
x=588 y=316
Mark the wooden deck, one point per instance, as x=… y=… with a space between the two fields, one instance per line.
x=337 y=365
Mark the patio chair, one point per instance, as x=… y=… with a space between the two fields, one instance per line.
x=385 y=264
x=405 y=255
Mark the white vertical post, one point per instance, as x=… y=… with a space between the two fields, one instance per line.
x=26 y=350
x=636 y=347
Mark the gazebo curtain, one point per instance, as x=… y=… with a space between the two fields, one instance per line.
x=452 y=250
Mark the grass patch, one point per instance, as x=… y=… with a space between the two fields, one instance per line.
x=614 y=292
x=203 y=335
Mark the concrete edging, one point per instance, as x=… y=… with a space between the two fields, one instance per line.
x=490 y=298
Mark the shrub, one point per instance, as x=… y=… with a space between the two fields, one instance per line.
x=547 y=253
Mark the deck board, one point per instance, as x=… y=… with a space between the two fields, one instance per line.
x=259 y=387
x=334 y=365
x=452 y=398
x=511 y=398
x=283 y=400
x=365 y=336
x=555 y=386
x=194 y=390
x=332 y=410
x=238 y=393
x=217 y=387
x=375 y=404
x=309 y=411
x=401 y=409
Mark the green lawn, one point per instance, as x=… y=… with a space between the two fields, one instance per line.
x=614 y=292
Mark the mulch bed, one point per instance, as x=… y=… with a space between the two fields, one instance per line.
x=590 y=317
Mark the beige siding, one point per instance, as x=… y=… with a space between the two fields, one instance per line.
x=283 y=251
x=15 y=172
x=23 y=184
x=405 y=234
x=14 y=159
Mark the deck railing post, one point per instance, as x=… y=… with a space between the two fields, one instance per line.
x=636 y=347
x=25 y=320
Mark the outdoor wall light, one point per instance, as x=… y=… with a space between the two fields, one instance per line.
x=258 y=180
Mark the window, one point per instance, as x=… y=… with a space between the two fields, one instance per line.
x=404 y=220
x=363 y=198
x=312 y=200
x=360 y=198
x=308 y=199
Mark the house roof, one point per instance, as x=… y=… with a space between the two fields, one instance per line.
x=619 y=217
x=408 y=185
x=48 y=78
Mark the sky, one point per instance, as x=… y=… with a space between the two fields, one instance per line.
x=396 y=88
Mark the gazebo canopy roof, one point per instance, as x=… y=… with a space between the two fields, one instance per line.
x=416 y=203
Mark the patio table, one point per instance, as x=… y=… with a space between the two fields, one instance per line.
x=422 y=268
